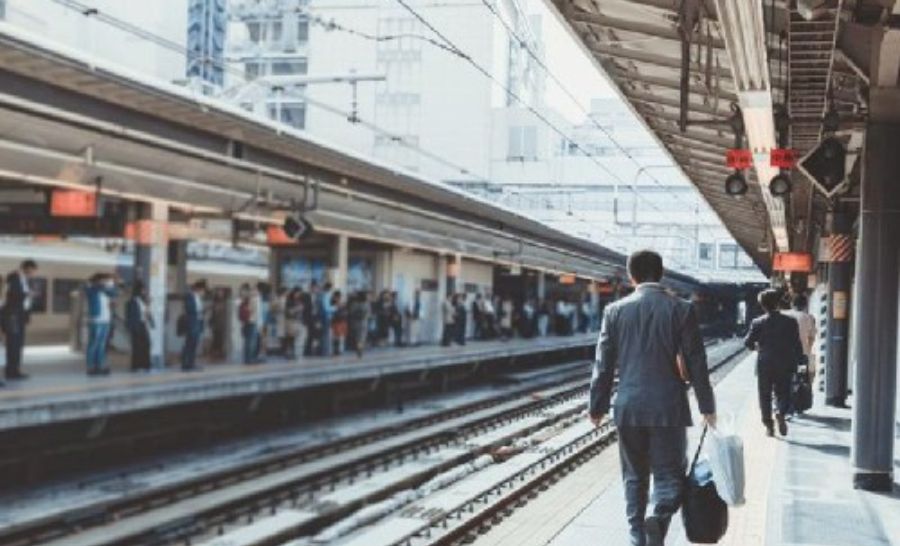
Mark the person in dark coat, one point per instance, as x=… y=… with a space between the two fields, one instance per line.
x=15 y=315
x=776 y=338
x=139 y=322
x=194 y=315
x=642 y=337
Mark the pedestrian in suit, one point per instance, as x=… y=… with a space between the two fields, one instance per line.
x=194 y=318
x=99 y=292
x=15 y=314
x=776 y=338
x=139 y=322
x=642 y=337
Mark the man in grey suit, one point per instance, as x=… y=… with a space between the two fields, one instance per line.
x=642 y=336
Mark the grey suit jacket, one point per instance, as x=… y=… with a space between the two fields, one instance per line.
x=641 y=336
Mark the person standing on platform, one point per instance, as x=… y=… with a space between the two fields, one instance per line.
x=448 y=316
x=395 y=318
x=413 y=319
x=358 y=317
x=506 y=319
x=293 y=323
x=807 y=326
x=544 y=311
x=99 y=292
x=776 y=338
x=460 y=319
x=218 y=323
x=338 y=323
x=478 y=317
x=642 y=336
x=15 y=315
x=139 y=322
x=311 y=319
x=194 y=319
x=247 y=312
x=276 y=317
x=325 y=315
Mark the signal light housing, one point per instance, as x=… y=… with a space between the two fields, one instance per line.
x=780 y=185
x=736 y=184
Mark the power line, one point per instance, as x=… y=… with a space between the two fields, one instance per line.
x=89 y=11
x=524 y=44
x=487 y=74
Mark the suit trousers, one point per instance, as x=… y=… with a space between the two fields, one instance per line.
x=660 y=451
x=140 y=348
x=767 y=381
x=14 y=330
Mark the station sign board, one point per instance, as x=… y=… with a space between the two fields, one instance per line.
x=276 y=236
x=793 y=262
x=73 y=204
x=567 y=279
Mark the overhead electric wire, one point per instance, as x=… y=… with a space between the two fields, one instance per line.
x=537 y=59
x=487 y=74
x=90 y=11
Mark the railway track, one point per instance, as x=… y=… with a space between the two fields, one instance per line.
x=327 y=493
x=150 y=517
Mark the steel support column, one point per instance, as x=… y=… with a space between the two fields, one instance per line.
x=150 y=265
x=839 y=281
x=875 y=385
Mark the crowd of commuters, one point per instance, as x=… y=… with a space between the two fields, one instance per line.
x=290 y=323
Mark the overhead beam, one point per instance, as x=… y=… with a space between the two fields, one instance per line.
x=618 y=52
x=650 y=98
x=667 y=83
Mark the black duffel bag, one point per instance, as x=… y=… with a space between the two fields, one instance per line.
x=801 y=390
x=704 y=514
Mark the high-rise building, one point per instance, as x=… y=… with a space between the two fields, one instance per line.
x=206 y=33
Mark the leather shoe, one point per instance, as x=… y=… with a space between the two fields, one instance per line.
x=653 y=527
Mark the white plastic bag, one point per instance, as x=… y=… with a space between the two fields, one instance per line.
x=725 y=451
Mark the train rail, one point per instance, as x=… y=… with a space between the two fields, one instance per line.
x=327 y=493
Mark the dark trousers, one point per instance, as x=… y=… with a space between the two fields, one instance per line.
x=14 y=330
x=767 y=382
x=189 y=351
x=140 y=349
x=659 y=451
x=449 y=334
x=461 y=332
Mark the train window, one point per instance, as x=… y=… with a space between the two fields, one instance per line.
x=38 y=294
x=62 y=294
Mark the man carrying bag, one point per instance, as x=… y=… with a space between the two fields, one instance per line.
x=641 y=337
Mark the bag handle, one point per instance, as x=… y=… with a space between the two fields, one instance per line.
x=697 y=453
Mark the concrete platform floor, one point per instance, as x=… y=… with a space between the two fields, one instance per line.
x=799 y=490
x=58 y=387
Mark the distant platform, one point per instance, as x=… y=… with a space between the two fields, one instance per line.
x=59 y=390
x=799 y=489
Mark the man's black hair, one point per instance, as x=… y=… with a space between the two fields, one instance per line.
x=28 y=264
x=645 y=266
x=770 y=299
x=800 y=302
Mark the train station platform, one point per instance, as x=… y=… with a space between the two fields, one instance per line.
x=799 y=488
x=58 y=389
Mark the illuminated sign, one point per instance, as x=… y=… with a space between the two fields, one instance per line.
x=73 y=204
x=796 y=262
x=276 y=236
x=783 y=158
x=739 y=158
x=567 y=279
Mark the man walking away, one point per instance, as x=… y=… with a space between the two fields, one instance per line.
x=15 y=314
x=193 y=312
x=807 y=326
x=776 y=338
x=642 y=336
